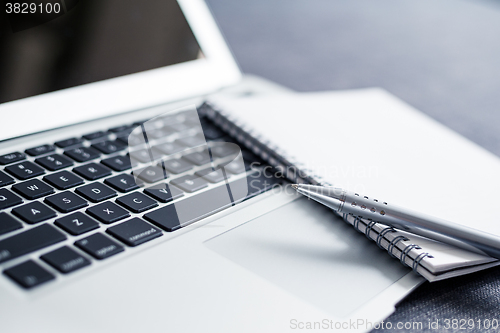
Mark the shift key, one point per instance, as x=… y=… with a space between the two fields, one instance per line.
x=29 y=241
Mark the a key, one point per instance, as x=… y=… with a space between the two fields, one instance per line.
x=54 y=162
x=68 y=142
x=123 y=183
x=166 y=149
x=122 y=128
x=40 y=150
x=8 y=223
x=63 y=180
x=29 y=274
x=213 y=176
x=99 y=246
x=150 y=174
x=76 y=223
x=108 y=212
x=131 y=140
x=177 y=166
x=137 y=202
x=141 y=155
x=109 y=147
x=134 y=232
x=34 y=212
x=66 y=202
x=224 y=149
x=192 y=141
x=65 y=260
x=184 y=212
x=94 y=135
x=164 y=192
x=24 y=170
x=95 y=192
x=92 y=171
x=117 y=163
x=5 y=180
x=33 y=189
x=11 y=158
x=82 y=154
x=198 y=158
x=190 y=183
x=8 y=199
x=29 y=241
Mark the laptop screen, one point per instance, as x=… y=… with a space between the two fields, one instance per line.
x=47 y=46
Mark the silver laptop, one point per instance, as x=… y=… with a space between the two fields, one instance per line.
x=123 y=208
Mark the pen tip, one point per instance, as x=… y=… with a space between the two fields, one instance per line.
x=295 y=186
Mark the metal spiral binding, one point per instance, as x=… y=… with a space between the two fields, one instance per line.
x=405 y=252
x=418 y=259
x=382 y=234
x=393 y=243
x=356 y=223
x=368 y=229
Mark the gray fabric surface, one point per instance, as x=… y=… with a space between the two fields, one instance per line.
x=441 y=56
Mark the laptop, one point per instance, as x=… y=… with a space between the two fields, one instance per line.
x=122 y=205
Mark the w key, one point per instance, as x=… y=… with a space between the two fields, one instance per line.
x=33 y=189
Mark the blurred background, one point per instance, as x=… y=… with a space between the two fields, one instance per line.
x=440 y=56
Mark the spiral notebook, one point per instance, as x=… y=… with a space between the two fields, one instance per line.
x=370 y=142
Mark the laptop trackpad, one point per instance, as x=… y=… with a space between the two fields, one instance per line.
x=307 y=250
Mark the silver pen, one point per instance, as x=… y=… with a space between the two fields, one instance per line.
x=346 y=202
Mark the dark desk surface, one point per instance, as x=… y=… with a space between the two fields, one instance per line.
x=441 y=56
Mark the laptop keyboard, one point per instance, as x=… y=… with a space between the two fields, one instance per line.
x=105 y=192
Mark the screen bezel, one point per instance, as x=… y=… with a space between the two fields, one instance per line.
x=134 y=91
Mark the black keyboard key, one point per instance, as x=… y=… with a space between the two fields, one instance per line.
x=190 y=183
x=95 y=135
x=184 y=212
x=29 y=274
x=66 y=202
x=137 y=202
x=177 y=166
x=108 y=212
x=76 y=223
x=82 y=154
x=99 y=246
x=131 y=140
x=24 y=170
x=54 y=162
x=63 y=180
x=192 y=141
x=34 y=212
x=92 y=171
x=123 y=183
x=5 y=180
x=142 y=155
x=118 y=163
x=198 y=158
x=33 y=189
x=150 y=174
x=109 y=147
x=122 y=128
x=29 y=241
x=164 y=192
x=213 y=176
x=8 y=223
x=65 y=260
x=95 y=192
x=166 y=149
x=134 y=232
x=224 y=149
x=69 y=142
x=8 y=199
x=44 y=149
x=11 y=158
